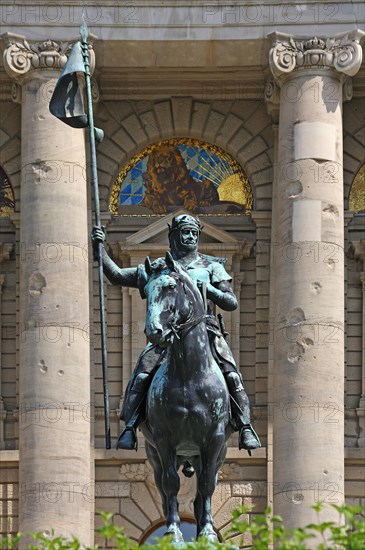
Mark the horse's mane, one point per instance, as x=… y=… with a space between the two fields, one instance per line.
x=159 y=265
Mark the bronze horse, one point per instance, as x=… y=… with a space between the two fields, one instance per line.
x=188 y=404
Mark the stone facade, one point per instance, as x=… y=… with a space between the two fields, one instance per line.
x=280 y=87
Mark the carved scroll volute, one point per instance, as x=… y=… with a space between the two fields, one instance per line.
x=22 y=56
x=341 y=53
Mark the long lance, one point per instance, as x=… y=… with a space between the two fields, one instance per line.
x=94 y=181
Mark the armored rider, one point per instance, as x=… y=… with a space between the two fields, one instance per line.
x=215 y=284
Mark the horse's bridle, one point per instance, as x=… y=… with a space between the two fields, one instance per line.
x=191 y=321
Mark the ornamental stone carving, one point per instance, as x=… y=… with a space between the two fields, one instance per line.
x=22 y=56
x=134 y=472
x=230 y=471
x=341 y=53
x=272 y=99
x=272 y=94
x=16 y=92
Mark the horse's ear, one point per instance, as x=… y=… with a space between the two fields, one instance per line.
x=170 y=261
x=148 y=266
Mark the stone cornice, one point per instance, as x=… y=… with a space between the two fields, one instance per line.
x=342 y=53
x=261 y=218
x=21 y=56
x=207 y=84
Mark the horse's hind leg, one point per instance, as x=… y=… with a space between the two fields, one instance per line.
x=171 y=486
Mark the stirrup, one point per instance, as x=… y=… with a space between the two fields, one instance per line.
x=128 y=439
x=248 y=439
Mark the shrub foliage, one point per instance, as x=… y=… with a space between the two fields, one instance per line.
x=263 y=532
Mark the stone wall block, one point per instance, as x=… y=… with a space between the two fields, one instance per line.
x=215 y=120
x=224 y=516
x=150 y=124
x=133 y=126
x=221 y=494
x=164 y=117
x=200 y=113
x=140 y=493
x=229 y=128
x=124 y=140
x=181 y=110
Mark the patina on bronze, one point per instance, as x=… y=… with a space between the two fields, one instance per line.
x=186 y=383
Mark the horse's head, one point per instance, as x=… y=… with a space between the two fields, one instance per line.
x=173 y=300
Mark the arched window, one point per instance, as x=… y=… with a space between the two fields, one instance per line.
x=6 y=195
x=188 y=529
x=181 y=173
x=357 y=192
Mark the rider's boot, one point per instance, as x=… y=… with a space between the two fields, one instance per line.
x=248 y=438
x=133 y=412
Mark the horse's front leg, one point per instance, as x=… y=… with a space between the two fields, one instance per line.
x=154 y=459
x=171 y=486
x=207 y=481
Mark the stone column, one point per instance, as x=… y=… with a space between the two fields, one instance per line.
x=307 y=266
x=54 y=369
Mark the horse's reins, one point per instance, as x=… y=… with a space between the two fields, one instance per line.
x=191 y=321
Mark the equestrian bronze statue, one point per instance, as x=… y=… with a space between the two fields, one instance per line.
x=186 y=392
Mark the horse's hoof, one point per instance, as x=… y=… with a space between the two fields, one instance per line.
x=176 y=534
x=208 y=534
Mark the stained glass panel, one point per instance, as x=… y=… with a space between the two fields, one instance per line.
x=6 y=195
x=175 y=173
x=357 y=192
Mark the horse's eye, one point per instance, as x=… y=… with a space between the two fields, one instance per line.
x=172 y=285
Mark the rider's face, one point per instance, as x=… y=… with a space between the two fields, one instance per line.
x=189 y=237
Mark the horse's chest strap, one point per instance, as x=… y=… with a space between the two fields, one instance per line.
x=185 y=327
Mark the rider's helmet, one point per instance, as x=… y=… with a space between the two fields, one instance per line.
x=184 y=221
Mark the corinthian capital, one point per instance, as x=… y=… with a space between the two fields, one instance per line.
x=341 y=53
x=22 y=56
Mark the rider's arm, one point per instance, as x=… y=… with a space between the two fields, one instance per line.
x=222 y=295
x=128 y=276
